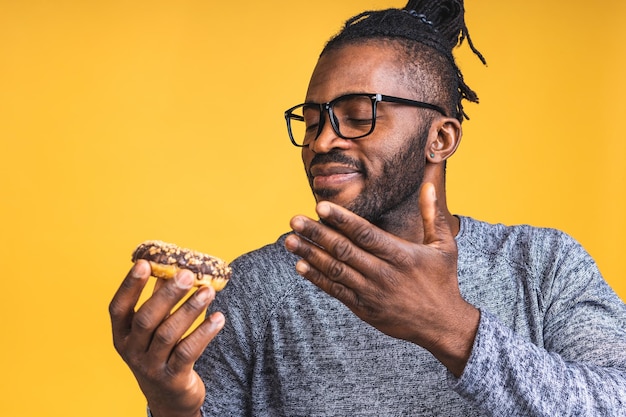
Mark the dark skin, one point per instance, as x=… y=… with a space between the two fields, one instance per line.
x=406 y=290
x=149 y=340
x=399 y=276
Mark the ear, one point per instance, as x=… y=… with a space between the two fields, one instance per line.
x=443 y=139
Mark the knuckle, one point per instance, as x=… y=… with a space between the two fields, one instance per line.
x=170 y=291
x=185 y=352
x=315 y=232
x=115 y=309
x=143 y=322
x=315 y=277
x=370 y=306
x=365 y=235
x=341 y=293
x=339 y=218
x=336 y=269
x=120 y=303
x=304 y=249
x=165 y=335
x=192 y=306
x=343 y=250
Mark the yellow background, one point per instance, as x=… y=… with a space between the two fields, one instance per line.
x=122 y=121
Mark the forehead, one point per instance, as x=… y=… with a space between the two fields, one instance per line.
x=370 y=68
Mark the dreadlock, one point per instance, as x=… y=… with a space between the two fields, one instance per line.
x=438 y=25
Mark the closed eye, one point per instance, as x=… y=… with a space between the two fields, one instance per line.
x=355 y=121
x=312 y=127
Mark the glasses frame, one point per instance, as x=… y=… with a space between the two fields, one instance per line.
x=375 y=98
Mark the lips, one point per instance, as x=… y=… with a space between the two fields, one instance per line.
x=324 y=170
x=325 y=176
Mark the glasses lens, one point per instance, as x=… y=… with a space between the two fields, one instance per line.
x=303 y=123
x=354 y=115
x=352 y=118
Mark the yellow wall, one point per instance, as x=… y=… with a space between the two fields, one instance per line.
x=122 y=121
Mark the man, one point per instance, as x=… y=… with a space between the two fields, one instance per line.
x=405 y=309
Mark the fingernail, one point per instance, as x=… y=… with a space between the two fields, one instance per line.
x=184 y=279
x=139 y=270
x=203 y=294
x=323 y=209
x=218 y=319
x=291 y=243
x=297 y=224
x=302 y=267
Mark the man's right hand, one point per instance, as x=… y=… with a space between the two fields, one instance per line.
x=150 y=340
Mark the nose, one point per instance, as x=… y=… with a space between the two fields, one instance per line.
x=328 y=139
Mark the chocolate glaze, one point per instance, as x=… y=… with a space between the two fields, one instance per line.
x=170 y=254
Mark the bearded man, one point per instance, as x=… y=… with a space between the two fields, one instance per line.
x=406 y=309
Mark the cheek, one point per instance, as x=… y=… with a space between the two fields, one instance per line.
x=377 y=158
x=307 y=157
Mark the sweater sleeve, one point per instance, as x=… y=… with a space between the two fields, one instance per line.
x=579 y=370
x=508 y=376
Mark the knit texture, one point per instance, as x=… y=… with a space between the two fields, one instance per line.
x=551 y=339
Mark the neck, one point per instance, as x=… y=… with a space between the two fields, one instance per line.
x=405 y=220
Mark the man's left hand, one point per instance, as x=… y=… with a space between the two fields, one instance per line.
x=407 y=290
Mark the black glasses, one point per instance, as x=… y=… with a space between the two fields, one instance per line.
x=352 y=116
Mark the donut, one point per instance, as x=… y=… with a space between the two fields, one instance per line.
x=166 y=259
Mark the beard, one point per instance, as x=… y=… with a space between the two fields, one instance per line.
x=393 y=191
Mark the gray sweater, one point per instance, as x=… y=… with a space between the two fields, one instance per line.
x=551 y=339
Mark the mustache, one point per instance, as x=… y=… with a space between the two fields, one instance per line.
x=337 y=157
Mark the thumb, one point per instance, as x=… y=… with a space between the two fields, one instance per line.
x=436 y=228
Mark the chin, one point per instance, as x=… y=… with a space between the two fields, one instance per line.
x=339 y=197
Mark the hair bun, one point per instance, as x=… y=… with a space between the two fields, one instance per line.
x=447 y=17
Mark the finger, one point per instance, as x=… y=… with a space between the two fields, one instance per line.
x=436 y=229
x=361 y=232
x=337 y=290
x=169 y=333
x=333 y=268
x=158 y=285
x=122 y=306
x=156 y=309
x=331 y=240
x=190 y=348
